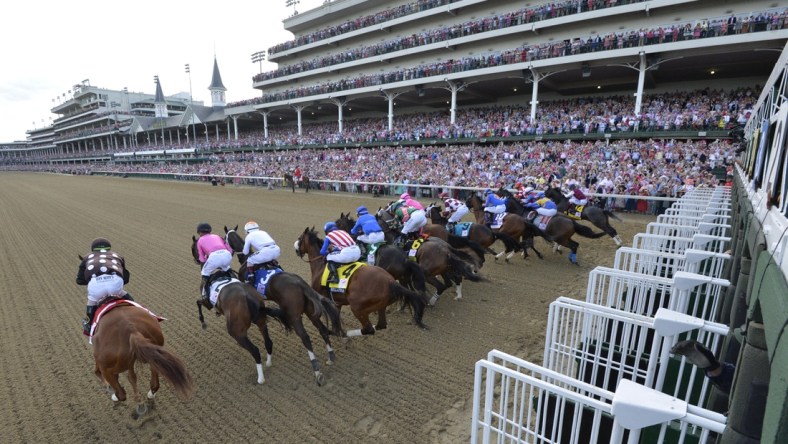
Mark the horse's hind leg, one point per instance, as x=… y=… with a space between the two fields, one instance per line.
x=366 y=326
x=112 y=379
x=382 y=322
x=298 y=326
x=154 y=383
x=326 y=335
x=439 y=289
x=269 y=344
x=573 y=246
x=247 y=345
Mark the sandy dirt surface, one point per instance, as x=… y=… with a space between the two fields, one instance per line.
x=403 y=385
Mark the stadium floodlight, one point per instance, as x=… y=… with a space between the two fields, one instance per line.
x=191 y=105
x=293 y=3
x=259 y=57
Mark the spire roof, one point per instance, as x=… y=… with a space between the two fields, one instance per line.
x=216 y=78
x=159 y=94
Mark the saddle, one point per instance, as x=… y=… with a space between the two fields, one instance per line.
x=252 y=270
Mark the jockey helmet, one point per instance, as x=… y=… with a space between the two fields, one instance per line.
x=572 y=187
x=528 y=190
x=329 y=227
x=487 y=191
x=361 y=211
x=404 y=196
x=251 y=226
x=443 y=195
x=204 y=227
x=100 y=243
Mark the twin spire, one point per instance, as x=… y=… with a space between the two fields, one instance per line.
x=217 y=92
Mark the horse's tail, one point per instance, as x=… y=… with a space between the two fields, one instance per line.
x=323 y=307
x=464 y=242
x=416 y=274
x=586 y=231
x=166 y=363
x=459 y=262
x=609 y=213
x=508 y=241
x=417 y=301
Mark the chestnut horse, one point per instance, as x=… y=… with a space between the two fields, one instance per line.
x=392 y=259
x=479 y=233
x=127 y=334
x=296 y=298
x=243 y=306
x=371 y=289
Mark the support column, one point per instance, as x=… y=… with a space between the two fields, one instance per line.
x=534 y=94
x=235 y=127
x=454 y=86
x=340 y=103
x=641 y=81
x=298 y=109
x=265 y=123
x=390 y=96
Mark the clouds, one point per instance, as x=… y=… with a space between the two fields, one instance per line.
x=117 y=45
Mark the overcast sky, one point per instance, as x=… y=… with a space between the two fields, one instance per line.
x=47 y=47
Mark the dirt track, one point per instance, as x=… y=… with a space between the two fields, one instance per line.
x=403 y=385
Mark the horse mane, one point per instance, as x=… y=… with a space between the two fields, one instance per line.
x=312 y=236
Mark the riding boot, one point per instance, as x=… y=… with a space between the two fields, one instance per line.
x=363 y=247
x=488 y=218
x=90 y=311
x=451 y=226
x=250 y=270
x=333 y=275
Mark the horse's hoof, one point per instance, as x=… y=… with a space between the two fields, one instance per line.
x=320 y=379
x=115 y=398
x=151 y=395
x=141 y=409
x=204 y=326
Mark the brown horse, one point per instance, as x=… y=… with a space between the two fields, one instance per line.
x=242 y=306
x=305 y=183
x=127 y=334
x=371 y=289
x=477 y=233
x=288 y=181
x=296 y=298
x=514 y=226
x=560 y=229
x=392 y=259
x=591 y=213
x=437 y=258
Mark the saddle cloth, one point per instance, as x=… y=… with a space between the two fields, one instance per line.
x=414 y=248
x=497 y=221
x=575 y=211
x=261 y=278
x=344 y=271
x=217 y=285
x=462 y=229
x=107 y=307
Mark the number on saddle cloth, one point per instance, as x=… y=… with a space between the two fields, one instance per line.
x=262 y=276
x=461 y=229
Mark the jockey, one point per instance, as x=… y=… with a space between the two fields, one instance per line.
x=577 y=196
x=409 y=201
x=493 y=205
x=259 y=247
x=547 y=207
x=105 y=273
x=339 y=248
x=368 y=224
x=411 y=218
x=454 y=209
x=214 y=254
x=530 y=198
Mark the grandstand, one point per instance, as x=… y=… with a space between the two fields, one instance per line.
x=370 y=66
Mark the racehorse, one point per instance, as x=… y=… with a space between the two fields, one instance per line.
x=392 y=259
x=437 y=258
x=127 y=334
x=591 y=213
x=478 y=233
x=560 y=229
x=305 y=183
x=289 y=182
x=514 y=225
x=370 y=289
x=296 y=298
x=242 y=306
